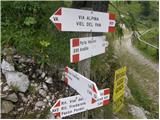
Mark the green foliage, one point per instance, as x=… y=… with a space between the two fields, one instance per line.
x=31 y=89
x=145 y=5
x=141 y=98
x=149 y=13
x=103 y=66
x=123 y=16
x=43 y=53
x=147 y=51
x=151 y=37
x=43 y=114
x=14 y=88
x=44 y=43
x=132 y=16
x=30 y=21
x=26 y=26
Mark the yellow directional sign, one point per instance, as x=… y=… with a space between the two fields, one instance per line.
x=118 y=92
x=118 y=104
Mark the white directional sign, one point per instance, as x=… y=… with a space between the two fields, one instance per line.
x=68 y=19
x=83 y=48
x=76 y=104
x=85 y=87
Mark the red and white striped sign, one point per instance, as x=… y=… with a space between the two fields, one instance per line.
x=83 y=48
x=85 y=87
x=76 y=104
x=68 y=19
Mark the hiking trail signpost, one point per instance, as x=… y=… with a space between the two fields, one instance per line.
x=69 y=19
x=76 y=104
x=83 y=48
x=81 y=51
x=85 y=87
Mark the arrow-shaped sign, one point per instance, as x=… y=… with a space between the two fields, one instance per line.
x=76 y=104
x=68 y=19
x=85 y=87
x=83 y=48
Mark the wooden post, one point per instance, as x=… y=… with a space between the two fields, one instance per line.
x=101 y=7
x=84 y=65
x=84 y=69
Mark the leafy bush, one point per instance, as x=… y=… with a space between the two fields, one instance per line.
x=152 y=37
x=26 y=26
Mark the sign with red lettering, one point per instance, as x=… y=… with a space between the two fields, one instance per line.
x=76 y=104
x=85 y=87
x=68 y=19
x=83 y=48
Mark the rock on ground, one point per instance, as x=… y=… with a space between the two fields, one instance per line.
x=51 y=116
x=49 y=80
x=63 y=76
x=20 y=109
x=12 y=97
x=127 y=93
x=43 y=75
x=24 y=99
x=6 y=66
x=6 y=106
x=6 y=88
x=39 y=104
x=17 y=79
x=44 y=86
x=137 y=112
x=42 y=92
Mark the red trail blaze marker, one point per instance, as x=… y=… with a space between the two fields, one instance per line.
x=69 y=19
x=70 y=108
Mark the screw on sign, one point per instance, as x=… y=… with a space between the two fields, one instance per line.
x=83 y=48
x=77 y=81
x=76 y=104
x=68 y=19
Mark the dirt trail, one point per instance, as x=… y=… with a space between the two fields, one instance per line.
x=144 y=71
x=136 y=53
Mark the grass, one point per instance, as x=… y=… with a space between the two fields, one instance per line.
x=27 y=39
x=104 y=112
x=148 y=51
x=31 y=89
x=138 y=93
x=152 y=37
x=43 y=114
x=135 y=8
x=108 y=111
x=124 y=113
x=14 y=88
x=141 y=98
x=142 y=81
